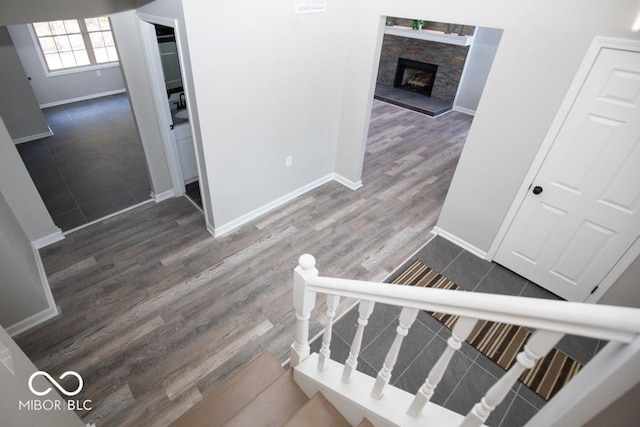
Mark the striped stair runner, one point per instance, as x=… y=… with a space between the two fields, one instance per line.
x=498 y=341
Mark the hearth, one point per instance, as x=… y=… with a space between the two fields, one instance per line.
x=415 y=76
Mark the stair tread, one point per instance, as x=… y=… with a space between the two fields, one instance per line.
x=317 y=412
x=274 y=406
x=226 y=400
x=365 y=423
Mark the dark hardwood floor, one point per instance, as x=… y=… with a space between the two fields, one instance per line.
x=156 y=312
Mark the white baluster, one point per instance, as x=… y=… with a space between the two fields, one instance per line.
x=540 y=343
x=303 y=302
x=364 y=310
x=407 y=317
x=325 y=351
x=460 y=332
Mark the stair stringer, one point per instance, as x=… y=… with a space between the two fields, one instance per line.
x=354 y=402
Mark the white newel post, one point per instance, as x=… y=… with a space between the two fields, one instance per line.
x=540 y=343
x=364 y=311
x=460 y=332
x=407 y=317
x=303 y=302
x=325 y=352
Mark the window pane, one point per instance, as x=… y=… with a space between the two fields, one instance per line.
x=42 y=28
x=82 y=58
x=104 y=23
x=96 y=40
x=53 y=61
x=63 y=44
x=101 y=55
x=48 y=45
x=108 y=38
x=72 y=26
x=68 y=59
x=111 y=52
x=77 y=42
x=57 y=27
x=92 y=24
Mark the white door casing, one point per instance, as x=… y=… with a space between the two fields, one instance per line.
x=567 y=238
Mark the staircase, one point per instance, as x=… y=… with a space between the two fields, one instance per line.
x=263 y=393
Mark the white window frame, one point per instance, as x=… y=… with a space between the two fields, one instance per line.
x=63 y=71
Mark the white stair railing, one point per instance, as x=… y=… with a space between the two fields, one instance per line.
x=383 y=403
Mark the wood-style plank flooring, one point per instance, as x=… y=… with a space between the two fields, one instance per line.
x=156 y=312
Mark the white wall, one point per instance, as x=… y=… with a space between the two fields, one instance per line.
x=18 y=189
x=477 y=67
x=269 y=85
x=19 y=108
x=58 y=89
x=127 y=36
x=20 y=284
x=14 y=388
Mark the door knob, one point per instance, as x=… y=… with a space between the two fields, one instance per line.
x=537 y=189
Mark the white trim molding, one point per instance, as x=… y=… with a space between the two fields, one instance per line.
x=347 y=182
x=159 y=197
x=460 y=242
x=48 y=313
x=48 y=239
x=33 y=137
x=82 y=98
x=464 y=110
x=236 y=223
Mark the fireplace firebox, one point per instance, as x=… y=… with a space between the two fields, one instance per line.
x=415 y=76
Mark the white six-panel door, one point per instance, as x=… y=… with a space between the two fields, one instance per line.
x=585 y=216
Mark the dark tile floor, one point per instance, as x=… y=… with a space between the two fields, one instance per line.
x=93 y=164
x=470 y=373
x=192 y=191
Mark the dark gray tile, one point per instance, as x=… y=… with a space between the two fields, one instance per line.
x=467 y=270
x=107 y=205
x=518 y=414
x=381 y=317
x=532 y=290
x=69 y=220
x=414 y=376
x=340 y=352
x=438 y=253
x=580 y=348
x=489 y=365
x=501 y=281
x=467 y=349
x=530 y=396
x=413 y=344
x=474 y=385
x=429 y=321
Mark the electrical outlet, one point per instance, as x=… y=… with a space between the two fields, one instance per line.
x=288 y=161
x=98 y=73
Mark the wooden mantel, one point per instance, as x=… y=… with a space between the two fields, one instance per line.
x=430 y=35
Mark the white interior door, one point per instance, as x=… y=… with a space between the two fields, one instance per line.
x=585 y=214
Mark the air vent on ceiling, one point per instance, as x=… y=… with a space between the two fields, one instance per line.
x=311 y=6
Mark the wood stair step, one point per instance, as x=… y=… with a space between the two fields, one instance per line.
x=317 y=412
x=365 y=423
x=229 y=398
x=274 y=406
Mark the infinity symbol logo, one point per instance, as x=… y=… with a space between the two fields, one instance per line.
x=55 y=383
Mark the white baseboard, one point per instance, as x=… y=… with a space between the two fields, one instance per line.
x=48 y=313
x=347 y=182
x=232 y=225
x=82 y=98
x=163 y=196
x=460 y=242
x=48 y=240
x=33 y=137
x=464 y=110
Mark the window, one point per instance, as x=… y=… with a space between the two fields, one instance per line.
x=76 y=43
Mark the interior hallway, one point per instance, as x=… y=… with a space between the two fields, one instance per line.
x=93 y=165
x=156 y=312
